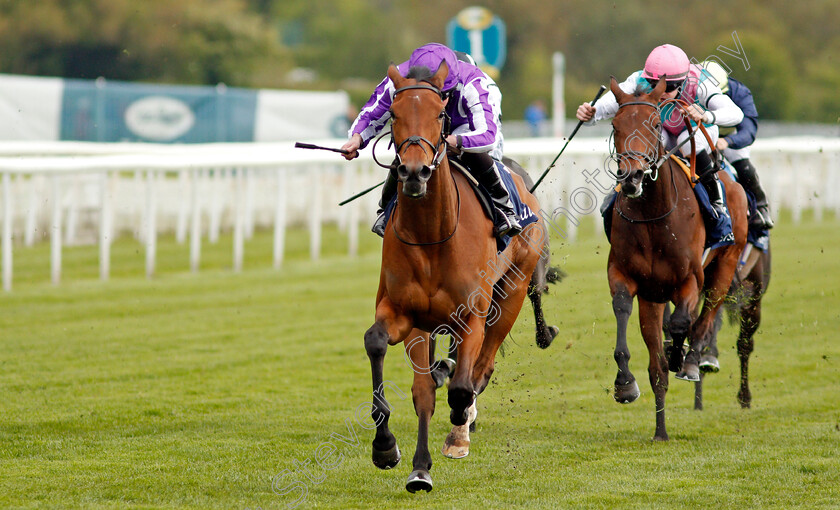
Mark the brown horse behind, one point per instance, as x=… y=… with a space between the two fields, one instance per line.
x=440 y=274
x=656 y=252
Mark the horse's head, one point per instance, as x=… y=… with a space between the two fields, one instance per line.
x=417 y=125
x=636 y=133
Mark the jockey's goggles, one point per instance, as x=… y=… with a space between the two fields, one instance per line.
x=670 y=86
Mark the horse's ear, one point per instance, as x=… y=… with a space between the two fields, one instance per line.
x=659 y=89
x=440 y=75
x=395 y=76
x=616 y=90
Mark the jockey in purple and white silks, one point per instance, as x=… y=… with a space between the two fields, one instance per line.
x=474 y=108
x=706 y=104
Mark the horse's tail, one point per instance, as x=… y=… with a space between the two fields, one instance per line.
x=554 y=274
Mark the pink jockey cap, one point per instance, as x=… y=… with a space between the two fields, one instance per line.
x=431 y=55
x=666 y=61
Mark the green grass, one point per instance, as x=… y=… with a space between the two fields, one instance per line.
x=195 y=390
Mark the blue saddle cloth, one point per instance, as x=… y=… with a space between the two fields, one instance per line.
x=523 y=213
x=718 y=230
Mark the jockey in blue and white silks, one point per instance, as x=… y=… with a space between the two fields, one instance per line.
x=474 y=109
x=735 y=141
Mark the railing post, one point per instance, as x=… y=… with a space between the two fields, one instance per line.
x=280 y=219
x=105 y=227
x=55 y=231
x=151 y=222
x=195 y=221
x=7 y=232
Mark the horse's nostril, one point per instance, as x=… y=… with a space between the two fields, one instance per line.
x=425 y=173
x=402 y=172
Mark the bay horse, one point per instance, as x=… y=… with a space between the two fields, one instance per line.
x=656 y=251
x=441 y=274
x=743 y=305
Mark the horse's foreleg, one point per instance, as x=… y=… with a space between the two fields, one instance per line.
x=709 y=357
x=750 y=320
x=626 y=388
x=386 y=453
x=423 y=394
x=650 y=319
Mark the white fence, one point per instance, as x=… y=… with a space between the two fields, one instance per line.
x=81 y=192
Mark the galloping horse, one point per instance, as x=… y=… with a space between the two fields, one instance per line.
x=656 y=253
x=441 y=274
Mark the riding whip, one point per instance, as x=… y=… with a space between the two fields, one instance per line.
x=579 y=124
x=301 y=145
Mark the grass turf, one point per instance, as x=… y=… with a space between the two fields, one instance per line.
x=197 y=390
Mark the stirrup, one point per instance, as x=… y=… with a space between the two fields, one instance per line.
x=378 y=227
x=507 y=226
x=762 y=219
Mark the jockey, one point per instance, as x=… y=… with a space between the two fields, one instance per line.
x=474 y=107
x=706 y=104
x=735 y=142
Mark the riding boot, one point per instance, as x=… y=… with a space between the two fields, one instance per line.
x=707 y=175
x=505 y=223
x=748 y=178
x=388 y=191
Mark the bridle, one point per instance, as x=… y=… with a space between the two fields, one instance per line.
x=653 y=165
x=439 y=149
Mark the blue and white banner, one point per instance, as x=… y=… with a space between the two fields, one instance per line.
x=36 y=108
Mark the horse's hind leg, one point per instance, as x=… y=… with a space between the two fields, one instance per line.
x=538 y=285
x=441 y=369
x=423 y=394
x=685 y=302
x=650 y=319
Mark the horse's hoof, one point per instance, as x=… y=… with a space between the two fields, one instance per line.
x=419 y=480
x=690 y=372
x=455 y=448
x=626 y=393
x=709 y=364
x=386 y=459
x=543 y=343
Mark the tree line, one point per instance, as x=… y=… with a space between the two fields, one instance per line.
x=791 y=49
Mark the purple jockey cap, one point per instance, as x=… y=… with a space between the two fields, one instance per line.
x=431 y=55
